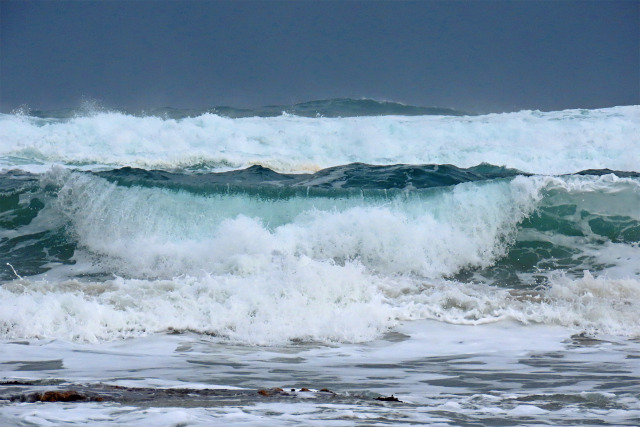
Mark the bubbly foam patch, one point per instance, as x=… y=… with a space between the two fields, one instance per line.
x=594 y=305
x=545 y=143
x=299 y=300
x=303 y=300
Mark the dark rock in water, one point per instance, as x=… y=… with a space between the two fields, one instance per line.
x=55 y=396
x=276 y=391
x=391 y=398
x=62 y=396
x=15 y=383
x=156 y=396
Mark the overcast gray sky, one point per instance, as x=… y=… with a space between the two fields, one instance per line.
x=477 y=56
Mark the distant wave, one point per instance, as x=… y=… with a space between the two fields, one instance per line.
x=338 y=107
x=544 y=143
x=338 y=180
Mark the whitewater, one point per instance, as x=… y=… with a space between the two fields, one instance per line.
x=531 y=141
x=296 y=265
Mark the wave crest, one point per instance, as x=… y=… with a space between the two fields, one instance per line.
x=534 y=142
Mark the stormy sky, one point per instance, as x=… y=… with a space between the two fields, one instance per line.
x=477 y=56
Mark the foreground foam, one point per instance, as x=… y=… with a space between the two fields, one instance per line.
x=306 y=301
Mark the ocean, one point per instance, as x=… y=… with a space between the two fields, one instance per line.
x=339 y=262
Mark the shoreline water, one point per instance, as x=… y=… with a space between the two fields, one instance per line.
x=448 y=374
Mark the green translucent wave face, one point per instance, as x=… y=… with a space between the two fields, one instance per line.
x=567 y=233
x=569 y=230
x=32 y=240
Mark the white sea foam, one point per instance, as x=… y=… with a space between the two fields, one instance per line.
x=304 y=300
x=144 y=232
x=269 y=271
x=264 y=271
x=594 y=305
x=545 y=143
